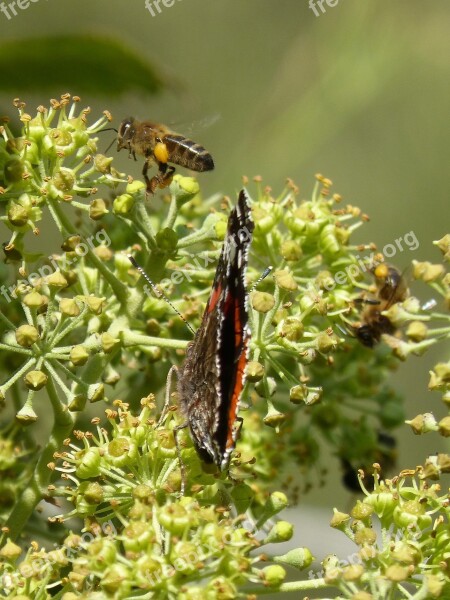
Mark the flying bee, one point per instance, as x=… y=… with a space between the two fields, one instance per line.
x=390 y=288
x=158 y=144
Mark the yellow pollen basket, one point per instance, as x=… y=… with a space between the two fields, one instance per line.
x=161 y=153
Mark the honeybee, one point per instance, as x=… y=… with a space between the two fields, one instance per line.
x=158 y=144
x=391 y=288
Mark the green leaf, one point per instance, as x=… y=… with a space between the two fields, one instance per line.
x=79 y=64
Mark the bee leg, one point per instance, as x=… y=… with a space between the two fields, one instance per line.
x=162 y=179
x=167 y=176
x=151 y=184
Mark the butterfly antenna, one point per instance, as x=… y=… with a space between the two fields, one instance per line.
x=263 y=275
x=157 y=291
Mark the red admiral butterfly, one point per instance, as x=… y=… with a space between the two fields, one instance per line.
x=211 y=381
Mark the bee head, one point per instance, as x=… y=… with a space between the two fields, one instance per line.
x=125 y=133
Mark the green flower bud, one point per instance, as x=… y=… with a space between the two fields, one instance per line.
x=383 y=503
x=167 y=240
x=185 y=557
x=17 y=215
x=339 y=520
x=361 y=511
x=296 y=221
x=328 y=240
x=34 y=300
x=220 y=228
x=444 y=427
x=95 y=304
x=26 y=335
x=435 y=584
x=26 y=415
x=440 y=376
x=117 y=580
x=291 y=329
x=79 y=355
x=13 y=170
x=148 y=568
x=102 y=163
x=290 y=250
x=71 y=243
x=10 y=551
x=64 y=180
x=406 y=554
x=143 y=492
x=254 y=371
x=285 y=280
x=61 y=137
x=397 y=573
x=352 y=572
x=134 y=187
x=56 y=280
x=97 y=209
x=262 y=301
x=444 y=245
x=123 y=204
x=187 y=187
x=174 y=518
x=137 y=536
x=69 y=308
x=417 y=331
x=103 y=253
x=35 y=380
x=326 y=343
x=411 y=513
x=427 y=271
x=93 y=493
x=300 y=558
x=121 y=450
x=332 y=568
x=282 y=531
x=109 y=343
x=96 y=392
x=165 y=443
x=298 y=393
x=266 y=387
x=153 y=328
x=273 y=575
x=264 y=221
x=325 y=281
x=423 y=423
x=89 y=463
x=365 y=536
x=76 y=402
x=275 y=504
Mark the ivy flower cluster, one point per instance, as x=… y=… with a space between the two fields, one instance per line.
x=79 y=329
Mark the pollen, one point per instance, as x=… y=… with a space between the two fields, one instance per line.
x=161 y=153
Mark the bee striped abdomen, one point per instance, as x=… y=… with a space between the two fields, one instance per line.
x=187 y=153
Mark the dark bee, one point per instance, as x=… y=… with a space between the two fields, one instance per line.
x=158 y=144
x=391 y=288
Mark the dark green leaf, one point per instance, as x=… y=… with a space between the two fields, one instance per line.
x=79 y=64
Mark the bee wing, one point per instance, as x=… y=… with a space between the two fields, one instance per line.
x=190 y=128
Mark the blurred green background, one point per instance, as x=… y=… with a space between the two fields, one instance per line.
x=360 y=93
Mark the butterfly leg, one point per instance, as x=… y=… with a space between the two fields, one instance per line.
x=174 y=372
